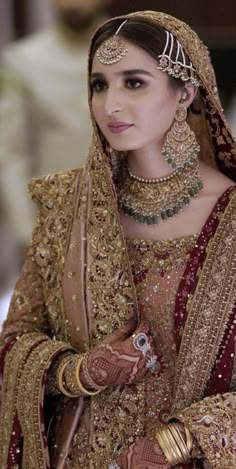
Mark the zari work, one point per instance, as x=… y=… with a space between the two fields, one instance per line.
x=85 y=287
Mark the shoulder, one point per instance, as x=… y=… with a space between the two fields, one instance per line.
x=215 y=182
x=55 y=189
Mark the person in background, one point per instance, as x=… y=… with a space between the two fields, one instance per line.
x=44 y=120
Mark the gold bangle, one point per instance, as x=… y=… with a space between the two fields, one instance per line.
x=189 y=439
x=60 y=377
x=166 y=447
x=80 y=386
x=180 y=442
x=69 y=375
x=173 y=445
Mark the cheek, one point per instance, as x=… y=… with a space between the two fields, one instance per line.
x=97 y=111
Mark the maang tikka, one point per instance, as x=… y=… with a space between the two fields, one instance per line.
x=181 y=147
x=113 y=49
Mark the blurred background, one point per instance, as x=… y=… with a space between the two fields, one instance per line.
x=44 y=121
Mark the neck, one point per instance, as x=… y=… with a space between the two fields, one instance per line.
x=148 y=163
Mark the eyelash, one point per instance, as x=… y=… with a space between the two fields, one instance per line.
x=102 y=84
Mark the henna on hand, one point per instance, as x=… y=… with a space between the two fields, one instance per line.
x=145 y=453
x=117 y=362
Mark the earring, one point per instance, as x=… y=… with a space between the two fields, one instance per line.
x=181 y=148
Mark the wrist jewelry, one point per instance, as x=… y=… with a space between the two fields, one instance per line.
x=88 y=378
x=189 y=439
x=79 y=384
x=173 y=445
x=61 y=378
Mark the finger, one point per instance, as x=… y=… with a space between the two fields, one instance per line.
x=122 y=333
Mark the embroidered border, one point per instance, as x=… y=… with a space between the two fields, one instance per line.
x=209 y=312
x=30 y=402
x=14 y=363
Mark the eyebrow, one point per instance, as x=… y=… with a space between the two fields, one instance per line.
x=135 y=71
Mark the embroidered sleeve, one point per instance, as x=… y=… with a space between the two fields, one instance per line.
x=212 y=421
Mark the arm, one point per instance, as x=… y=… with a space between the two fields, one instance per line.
x=212 y=421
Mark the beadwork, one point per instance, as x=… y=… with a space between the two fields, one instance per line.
x=151 y=200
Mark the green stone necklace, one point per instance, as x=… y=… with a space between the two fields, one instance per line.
x=151 y=200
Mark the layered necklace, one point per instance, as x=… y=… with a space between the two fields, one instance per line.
x=151 y=200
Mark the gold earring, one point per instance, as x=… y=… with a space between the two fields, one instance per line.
x=181 y=148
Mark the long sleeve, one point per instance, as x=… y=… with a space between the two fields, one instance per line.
x=212 y=421
x=15 y=152
x=28 y=348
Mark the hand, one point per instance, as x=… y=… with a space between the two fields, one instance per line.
x=143 y=454
x=116 y=361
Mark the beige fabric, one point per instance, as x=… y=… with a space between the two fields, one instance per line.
x=45 y=124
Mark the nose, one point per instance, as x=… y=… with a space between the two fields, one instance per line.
x=113 y=102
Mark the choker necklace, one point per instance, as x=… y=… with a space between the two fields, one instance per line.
x=151 y=200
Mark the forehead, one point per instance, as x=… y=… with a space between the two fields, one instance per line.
x=135 y=58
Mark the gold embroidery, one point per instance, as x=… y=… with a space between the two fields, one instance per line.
x=209 y=312
x=213 y=422
x=158 y=267
x=14 y=363
x=54 y=195
x=30 y=402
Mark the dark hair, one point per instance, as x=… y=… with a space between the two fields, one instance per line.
x=140 y=32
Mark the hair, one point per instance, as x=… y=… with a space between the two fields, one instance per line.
x=140 y=32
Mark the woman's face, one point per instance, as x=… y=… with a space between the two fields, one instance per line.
x=132 y=102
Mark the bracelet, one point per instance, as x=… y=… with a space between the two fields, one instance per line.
x=88 y=378
x=169 y=453
x=70 y=376
x=189 y=439
x=173 y=445
x=79 y=384
x=60 y=376
x=178 y=437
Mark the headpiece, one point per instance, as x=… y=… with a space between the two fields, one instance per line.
x=176 y=66
x=113 y=49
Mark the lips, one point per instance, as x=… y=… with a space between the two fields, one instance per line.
x=118 y=127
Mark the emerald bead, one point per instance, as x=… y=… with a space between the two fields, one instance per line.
x=163 y=215
x=170 y=212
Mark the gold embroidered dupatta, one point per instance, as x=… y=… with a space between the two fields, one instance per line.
x=99 y=293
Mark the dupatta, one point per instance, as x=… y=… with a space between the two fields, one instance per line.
x=84 y=253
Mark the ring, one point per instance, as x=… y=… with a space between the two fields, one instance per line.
x=151 y=363
x=114 y=465
x=141 y=343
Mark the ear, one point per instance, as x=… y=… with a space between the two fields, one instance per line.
x=188 y=94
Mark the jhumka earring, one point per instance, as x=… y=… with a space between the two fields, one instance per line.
x=181 y=147
x=112 y=50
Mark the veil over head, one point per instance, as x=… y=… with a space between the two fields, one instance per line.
x=108 y=274
x=106 y=291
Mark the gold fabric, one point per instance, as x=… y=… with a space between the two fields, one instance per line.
x=77 y=286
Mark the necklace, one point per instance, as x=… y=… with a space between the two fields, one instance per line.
x=151 y=200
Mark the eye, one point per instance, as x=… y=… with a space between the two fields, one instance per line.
x=134 y=83
x=98 y=85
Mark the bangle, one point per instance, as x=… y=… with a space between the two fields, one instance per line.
x=61 y=379
x=167 y=449
x=70 y=377
x=189 y=440
x=79 y=384
x=173 y=445
x=88 y=378
x=178 y=437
